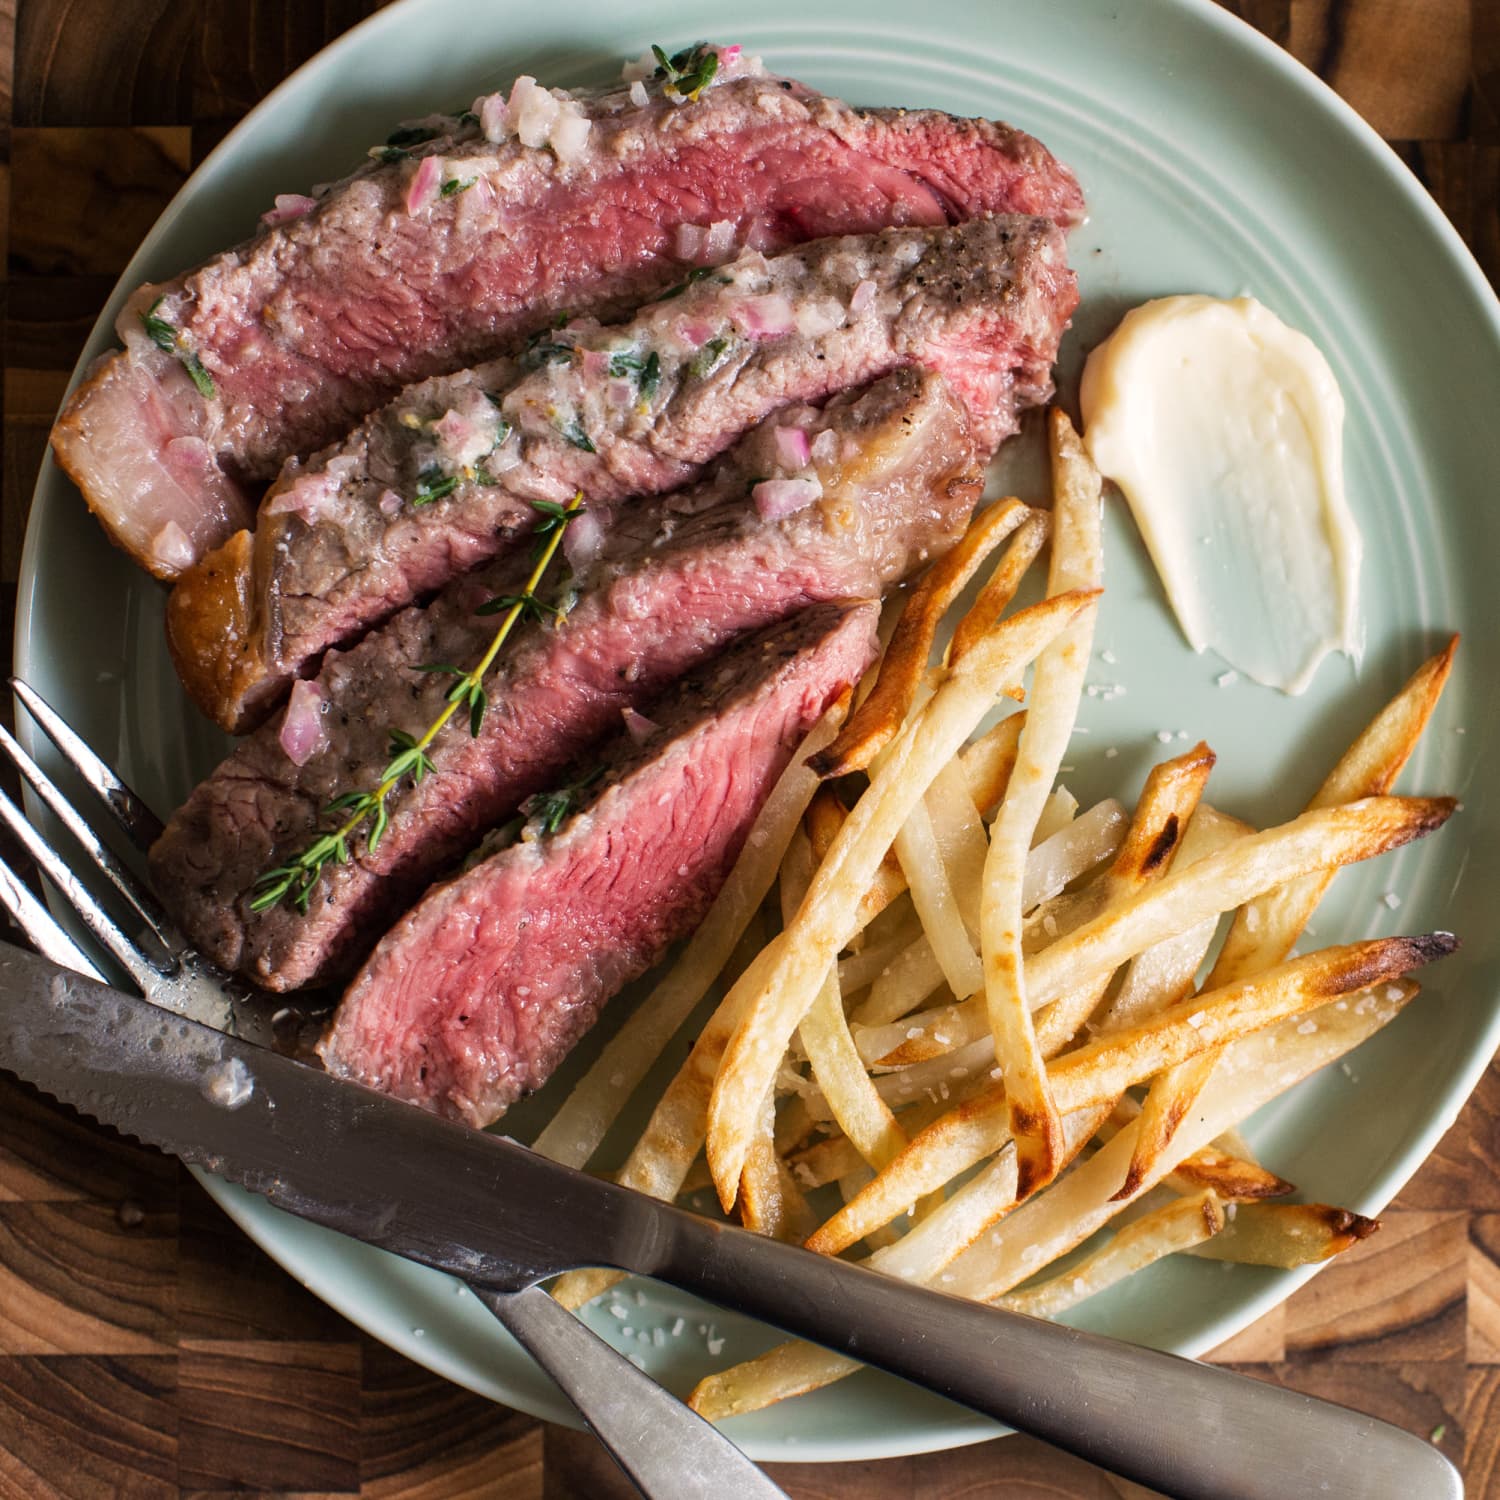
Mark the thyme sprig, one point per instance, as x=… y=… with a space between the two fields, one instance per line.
x=409 y=756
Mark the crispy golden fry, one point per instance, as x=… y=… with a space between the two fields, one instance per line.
x=1288 y=1234
x=1182 y=1224
x=1254 y=1070
x=1101 y=1071
x=771 y=1202
x=1324 y=839
x=1264 y=931
x=1234 y=1178
x=1162 y=816
x=799 y=958
x=1000 y=588
x=1053 y=1222
x=874 y=723
x=950 y=1228
x=1166 y=972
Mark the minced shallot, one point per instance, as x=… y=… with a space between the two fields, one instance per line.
x=777 y=498
x=302 y=727
x=289 y=206
x=792 y=447
x=425 y=185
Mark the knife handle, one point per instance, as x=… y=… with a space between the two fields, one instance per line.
x=669 y=1452
x=1194 y=1431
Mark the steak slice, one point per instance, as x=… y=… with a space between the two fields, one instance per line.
x=346 y=539
x=277 y=347
x=674 y=581
x=478 y=993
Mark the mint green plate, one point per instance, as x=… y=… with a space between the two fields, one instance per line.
x=1212 y=164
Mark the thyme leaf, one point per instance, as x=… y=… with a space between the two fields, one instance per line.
x=550 y=810
x=573 y=433
x=166 y=336
x=433 y=484
x=688 y=72
x=707 y=359
x=454 y=186
x=409 y=758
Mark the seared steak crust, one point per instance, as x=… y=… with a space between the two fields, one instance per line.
x=478 y=993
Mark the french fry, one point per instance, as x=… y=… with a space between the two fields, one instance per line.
x=771 y=1202
x=799 y=958
x=905 y=982
x=1101 y=1071
x=1254 y=1070
x=936 y=901
x=574 y=1132
x=1288 y=1234
x=860 y=1112
x=1324 y=839
x=988 y=761
x=1165 y=972
x=1264 y=931
x=874 y=723
x=1183 y=1224
x=1158 y=828
x=1053 y=1222
x=1052 y=709
x=1000 y=588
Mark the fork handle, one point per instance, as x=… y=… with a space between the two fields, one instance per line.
x=669 y=1452
x=1194 y=1431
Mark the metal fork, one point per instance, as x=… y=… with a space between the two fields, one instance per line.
x=668 y=1451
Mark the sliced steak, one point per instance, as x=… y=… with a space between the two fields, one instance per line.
x=277 y=347
x=671 y=582
x=440 y=479
x=478 y=993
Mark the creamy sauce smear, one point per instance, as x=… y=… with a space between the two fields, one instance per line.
x=1224 y=429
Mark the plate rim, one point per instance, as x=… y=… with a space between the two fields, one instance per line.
x=260 y=1222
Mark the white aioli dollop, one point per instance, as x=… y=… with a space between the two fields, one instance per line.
x=1224 y=429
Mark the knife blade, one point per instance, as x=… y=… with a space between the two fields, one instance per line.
x=497 y=1214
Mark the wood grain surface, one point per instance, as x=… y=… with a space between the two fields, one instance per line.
x=146 y=1348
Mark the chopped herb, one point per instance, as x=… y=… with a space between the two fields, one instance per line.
x=166 y=337
x=161 y=333
x=647 y=371
x=467 y=117
x=541 y=349
x=550 y=810
x=650 y=376
x=453 y=186
x=412 y=135
x=708 y=357
x=1438 y=1433
x=433 y=484
x=200 y=377
x=389 y=155
x=573 y=432
x=700 y=274
x=689 y=72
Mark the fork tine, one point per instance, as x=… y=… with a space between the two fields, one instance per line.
x=140 y=824
x=123 y=880
x=42 y=929
x=79 y=897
